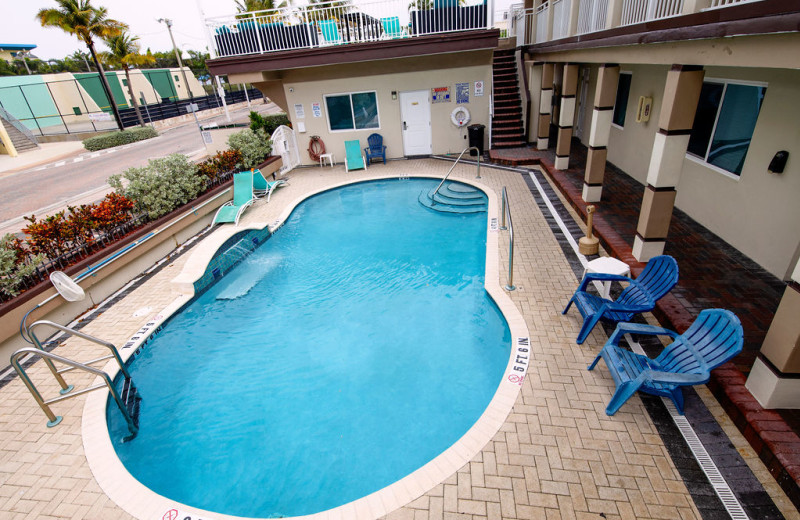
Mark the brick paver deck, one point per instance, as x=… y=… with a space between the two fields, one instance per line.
x=712 y=274
x=557 y=455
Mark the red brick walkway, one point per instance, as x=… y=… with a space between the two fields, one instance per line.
x=712 y=274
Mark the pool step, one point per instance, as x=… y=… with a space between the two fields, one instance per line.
x=454 y=198
x=131 y=398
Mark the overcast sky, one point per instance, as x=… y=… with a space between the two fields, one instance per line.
x=19 y=25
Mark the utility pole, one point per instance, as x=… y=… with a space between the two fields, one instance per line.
x=177 y=55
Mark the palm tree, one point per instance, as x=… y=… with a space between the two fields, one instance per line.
x=125 y=54
x=81 y=56
x=85 y=21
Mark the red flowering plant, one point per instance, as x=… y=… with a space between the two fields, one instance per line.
x=112 y=211
x=221 y=162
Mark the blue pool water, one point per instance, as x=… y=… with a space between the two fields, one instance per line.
x=353 y=347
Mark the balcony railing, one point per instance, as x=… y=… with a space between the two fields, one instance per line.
x=342 y=22
x=538 y=25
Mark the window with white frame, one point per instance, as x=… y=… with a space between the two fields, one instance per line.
x=621 y=103
x=352 y=111
x=724 y=122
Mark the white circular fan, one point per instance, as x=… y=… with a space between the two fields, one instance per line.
x=66 y=287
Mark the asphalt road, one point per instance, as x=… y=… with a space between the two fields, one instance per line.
x=41 y=191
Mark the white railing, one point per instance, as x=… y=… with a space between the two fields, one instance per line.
x=592 y=15
x=637 y=11
x=342 y=22
x=725 y=3
x=541 y=22
x=560 y=19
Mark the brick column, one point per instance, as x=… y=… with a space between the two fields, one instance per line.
x=775 y=378
x=602 y=114
x=545 y=107
x=681 y=94
x=566 y=115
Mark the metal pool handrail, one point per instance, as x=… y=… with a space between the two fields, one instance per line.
x=44 y=405
x=505 y=212
x=433 y=201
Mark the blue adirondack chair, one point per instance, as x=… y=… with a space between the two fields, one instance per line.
x=657 y=278
x=714 y=338
x=376 y=149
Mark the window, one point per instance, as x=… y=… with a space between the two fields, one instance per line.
x=356 y=111
x=76 y=110
x=724 y=122
x=621 y=104
x=124 y=82
x=176 y=77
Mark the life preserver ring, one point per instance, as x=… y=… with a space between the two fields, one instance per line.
x=460 y=116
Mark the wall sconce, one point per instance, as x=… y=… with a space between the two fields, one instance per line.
x=778 y=163
x=394 y=95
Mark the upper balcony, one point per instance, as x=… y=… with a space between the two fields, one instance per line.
x=570 y=24
x=344 y=27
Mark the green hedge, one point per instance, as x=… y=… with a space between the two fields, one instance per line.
x=118 y=138
x=268 y=123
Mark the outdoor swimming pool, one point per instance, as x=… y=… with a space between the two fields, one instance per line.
x=350 y=349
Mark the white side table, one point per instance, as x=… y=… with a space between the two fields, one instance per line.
x=607 y=265
x=326 y=156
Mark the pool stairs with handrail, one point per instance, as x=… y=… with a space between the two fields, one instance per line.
x=454 y=197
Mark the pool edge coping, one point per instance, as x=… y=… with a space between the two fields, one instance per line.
x=142 y=502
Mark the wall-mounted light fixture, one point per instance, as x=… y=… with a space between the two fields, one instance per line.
x=394 y=95
x=778 y=163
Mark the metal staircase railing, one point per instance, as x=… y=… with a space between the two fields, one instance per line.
x=13 y=121
x=453 y=167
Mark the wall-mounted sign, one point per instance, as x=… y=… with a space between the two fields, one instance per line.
x=478 y=88
x=316 y=109
x=100 y=116
x=207 y=138
x=299 y=111
x=440 y=94
x=462 y=93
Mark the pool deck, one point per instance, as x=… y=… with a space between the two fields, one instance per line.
x=556 y=455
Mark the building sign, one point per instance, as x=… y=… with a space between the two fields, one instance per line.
x=316 y=109
x=100 y=116
x=299 y=111
x=441 y=94
x=478 y=88
x=207 y=139
x=462 y=93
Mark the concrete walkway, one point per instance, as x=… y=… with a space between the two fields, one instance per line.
x=556 y=455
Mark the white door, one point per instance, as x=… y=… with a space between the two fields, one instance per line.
x=415 y=112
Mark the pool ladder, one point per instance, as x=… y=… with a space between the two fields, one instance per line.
x=433 y=194
x=128 y=402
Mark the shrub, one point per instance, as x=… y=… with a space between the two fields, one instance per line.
x=15 y=264
x=118 y=138
x=112 y=211
x=161 y=186
x=221 y=162
x=268 y=123
x=254 y=147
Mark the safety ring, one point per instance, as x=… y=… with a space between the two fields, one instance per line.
x=460 y=116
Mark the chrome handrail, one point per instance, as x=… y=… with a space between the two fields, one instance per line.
x=454 y=165
x=44 y=405
x=506 y=213
x=57 y=373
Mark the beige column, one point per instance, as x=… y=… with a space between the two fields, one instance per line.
x=566 y=115
x=545 y=107
x=775 y=378
x=681 y=94
x=602 y=114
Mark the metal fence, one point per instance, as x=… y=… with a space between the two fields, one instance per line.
x=80 y=105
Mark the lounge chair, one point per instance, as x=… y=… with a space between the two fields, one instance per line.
x=714 y=338
x=330 y=32
x=657 y=278
x=262 y=187
x=354 y=159
x=392 y=28
x=242 y=199
x=376 y=149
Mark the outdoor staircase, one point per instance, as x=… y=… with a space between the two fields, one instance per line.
x=21 y=142
x=454 y=197
x=132 y=400
x=507 y=128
